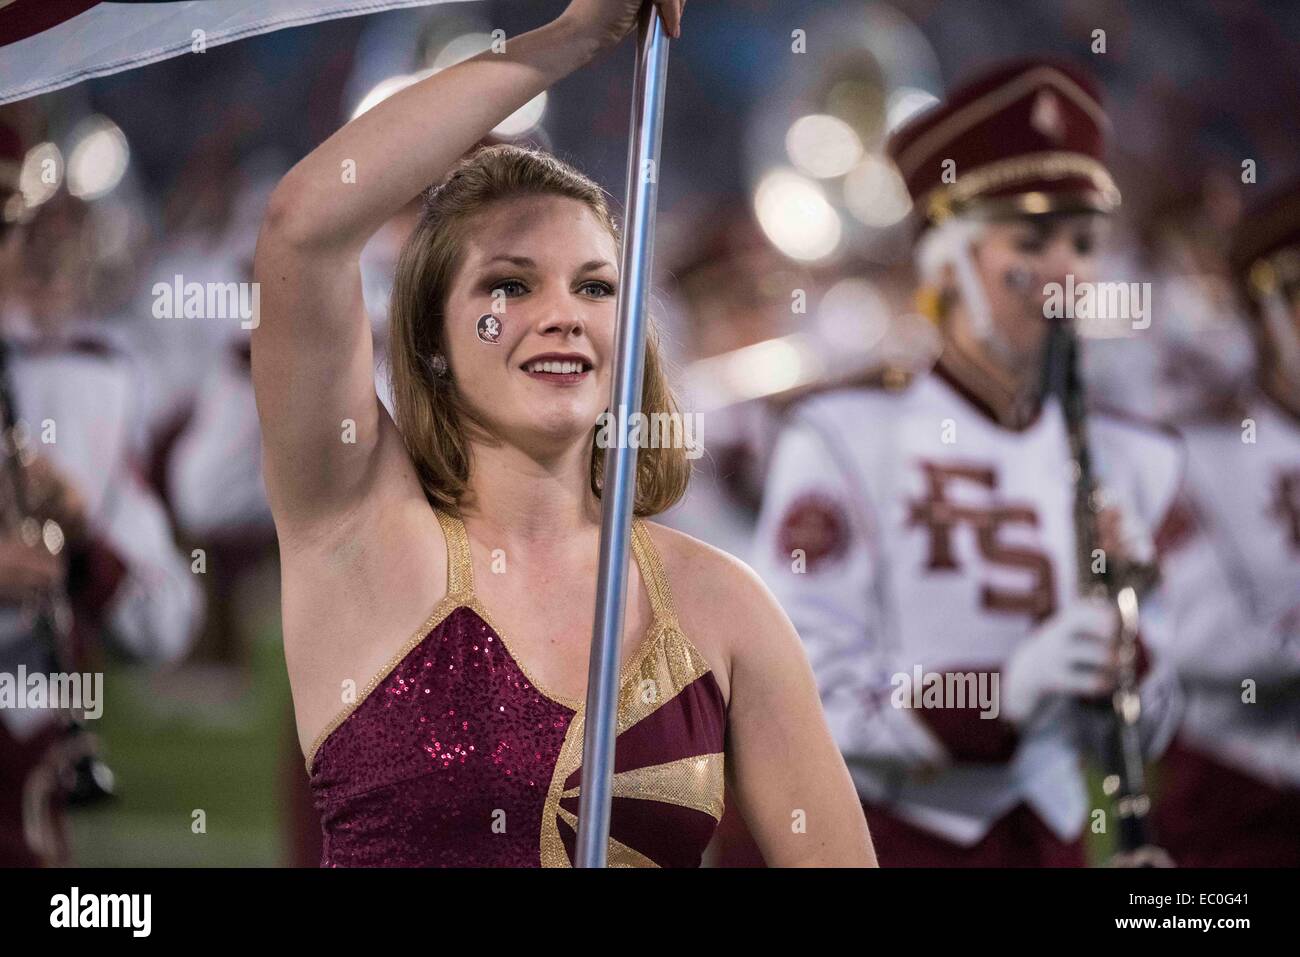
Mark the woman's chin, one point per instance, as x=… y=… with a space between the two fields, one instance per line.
x=556 y=428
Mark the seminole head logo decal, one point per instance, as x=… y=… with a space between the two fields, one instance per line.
x=489 y=328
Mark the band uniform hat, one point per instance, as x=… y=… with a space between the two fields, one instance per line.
x=1027 y=137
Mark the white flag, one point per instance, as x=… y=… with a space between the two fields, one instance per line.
x=49 y=44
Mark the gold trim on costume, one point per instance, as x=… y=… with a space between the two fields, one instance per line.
x=443 y=609
x=460 y=579
x=618 y=854
x=460 y=591
x=478 y=608
x=663 y=665
x=666 y=665
x=652 y=573
x=694 y=782
x=460 y=564
x=944 y=200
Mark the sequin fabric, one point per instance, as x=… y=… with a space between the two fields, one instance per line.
x=454 y=758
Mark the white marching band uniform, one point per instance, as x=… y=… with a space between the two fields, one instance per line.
x=1235 y=583
x=87 y=399
x=855 y=470
x=214 y=471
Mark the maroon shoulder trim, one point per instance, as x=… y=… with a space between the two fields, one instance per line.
x=26 y=18
x=946 y=371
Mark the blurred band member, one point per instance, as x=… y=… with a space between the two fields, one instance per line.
x=733 y=289
x=921 y=539
x=114 y=556
x=1230 y=792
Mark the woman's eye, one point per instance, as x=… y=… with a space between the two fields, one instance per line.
x=1084 y=245
x=601 y=288
x=507 y=284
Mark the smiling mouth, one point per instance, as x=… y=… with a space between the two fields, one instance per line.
x=558 y=371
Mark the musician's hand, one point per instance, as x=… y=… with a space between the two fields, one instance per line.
x=52 y=495
x=611 y=20
x=1072 y=654
x=1121 y=540
x=1110 y=531
x=25 y=570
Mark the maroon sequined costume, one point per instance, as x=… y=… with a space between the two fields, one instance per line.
x=454 y=757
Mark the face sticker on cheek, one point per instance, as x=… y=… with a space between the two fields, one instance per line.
x=1018 y=279
x=489 y=328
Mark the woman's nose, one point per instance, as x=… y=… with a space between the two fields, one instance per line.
x=561 y=316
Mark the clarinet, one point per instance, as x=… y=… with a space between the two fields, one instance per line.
x=84 y=779
x=1120 y=581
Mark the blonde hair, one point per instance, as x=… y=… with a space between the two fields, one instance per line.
x=431 y=415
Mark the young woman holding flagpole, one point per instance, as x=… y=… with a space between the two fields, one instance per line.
x=438 y=565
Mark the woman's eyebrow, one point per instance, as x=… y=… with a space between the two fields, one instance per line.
x=525 y=263
x=522 y=261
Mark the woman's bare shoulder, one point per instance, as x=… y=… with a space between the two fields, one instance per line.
x=692 y=564
x=715 y=593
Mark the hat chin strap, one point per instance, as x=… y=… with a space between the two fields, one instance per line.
x=975 y=298
x=950 y=244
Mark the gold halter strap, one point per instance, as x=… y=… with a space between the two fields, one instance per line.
x=460 y=568
x=652 y=573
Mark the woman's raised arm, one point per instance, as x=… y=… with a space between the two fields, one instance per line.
x=327 y=441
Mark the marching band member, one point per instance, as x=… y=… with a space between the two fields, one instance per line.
x=1230 y=782
x=732 y=290
x=925 y=531
x=116 y=558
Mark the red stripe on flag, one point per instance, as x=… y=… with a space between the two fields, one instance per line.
x=21 y=19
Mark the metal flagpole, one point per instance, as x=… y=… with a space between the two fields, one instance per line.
x=618 y=491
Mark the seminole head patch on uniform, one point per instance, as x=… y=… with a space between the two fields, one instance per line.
x=816 y=528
